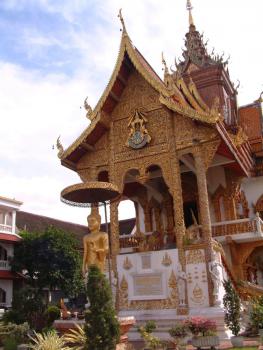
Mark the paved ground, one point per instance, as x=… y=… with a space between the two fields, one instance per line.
x=223 y=345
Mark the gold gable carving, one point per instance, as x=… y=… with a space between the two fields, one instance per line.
x=195 y=256
x=157 y=85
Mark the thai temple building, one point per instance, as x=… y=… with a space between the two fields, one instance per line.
x=191 y=161
x=8 y=238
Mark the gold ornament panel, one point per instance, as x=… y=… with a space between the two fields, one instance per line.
x=186 y=131
x=139 y=95
x=98 y=157
x=195 y=256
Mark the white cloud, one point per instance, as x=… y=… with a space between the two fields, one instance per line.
x=35 y=107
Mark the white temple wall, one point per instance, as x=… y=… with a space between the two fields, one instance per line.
x=253 y=188
x=215 y=177
x=141 y=218
x=146 y=273
x=197 y=287
x=227 y=253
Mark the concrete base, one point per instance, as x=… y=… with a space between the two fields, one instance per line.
x=166 y=319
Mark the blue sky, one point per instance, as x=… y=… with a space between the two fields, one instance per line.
x=54 y=53
x=38 y=36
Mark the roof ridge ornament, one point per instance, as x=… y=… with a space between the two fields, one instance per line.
x=189 y=8
x=165 y=68
x=88 y=108
x=60 y=148
x=124 y=31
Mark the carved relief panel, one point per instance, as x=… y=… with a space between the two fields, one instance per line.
x=186 y=131
x=141 y=100
x=100 y=154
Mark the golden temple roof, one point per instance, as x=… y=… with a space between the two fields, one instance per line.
x=175 y=94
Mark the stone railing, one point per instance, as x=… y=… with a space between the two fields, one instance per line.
x=222 y=228
x=5 y=228
x=233 y=227
x=132 y=241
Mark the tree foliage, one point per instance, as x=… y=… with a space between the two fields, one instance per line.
x=27 y=306
x=232 y=307
x=102 y=326
x=49 y=259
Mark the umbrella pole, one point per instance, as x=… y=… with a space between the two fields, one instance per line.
x=109 y=254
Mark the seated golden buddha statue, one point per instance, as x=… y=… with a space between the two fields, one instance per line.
x=95 y=244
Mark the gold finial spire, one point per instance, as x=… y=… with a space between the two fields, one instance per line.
x=189 y=8
x=122 y=22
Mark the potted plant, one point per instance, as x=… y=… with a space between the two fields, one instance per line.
x=151 y=341
x=178 y=333
x=232 y=306
x=204 y=332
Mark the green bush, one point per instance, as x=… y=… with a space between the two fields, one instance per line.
x=150 y=326
x=48 y=341
x=28 y=306
x=256 y=315
x=146 y=333
x=17 y=332
x=102 y=327
x=13 y=316
x=178 y=331
x=232 y=306
x=10 y=344
x=52 y=313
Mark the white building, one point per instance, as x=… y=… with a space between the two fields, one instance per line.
x=8 y=237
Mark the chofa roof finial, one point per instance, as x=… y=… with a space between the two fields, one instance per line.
x=122 y=22
x=189 y=8
x=165 y=68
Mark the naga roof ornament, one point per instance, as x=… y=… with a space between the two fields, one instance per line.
x=88 y=109
x=59 y=148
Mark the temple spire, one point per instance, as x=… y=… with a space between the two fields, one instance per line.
x=189 y=8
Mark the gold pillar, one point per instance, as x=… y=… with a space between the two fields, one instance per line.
x=203 y=199
x=204 y=214
x=115 y=245
x=177 y=194
x=114 y=233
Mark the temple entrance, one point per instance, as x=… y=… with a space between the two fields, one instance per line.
x=154 y=224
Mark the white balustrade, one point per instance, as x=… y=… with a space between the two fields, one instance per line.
x=239 y=226
x=4 y=265
x=5 y=228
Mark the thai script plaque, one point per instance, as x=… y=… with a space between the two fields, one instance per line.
x=148 y=285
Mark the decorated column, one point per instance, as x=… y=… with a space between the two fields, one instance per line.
x=203 y=198
x=204 y=213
